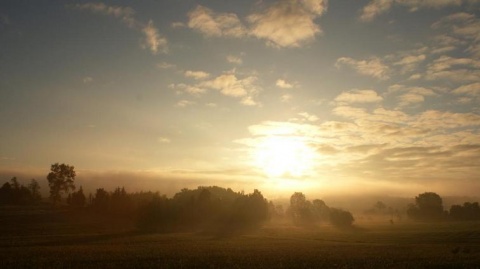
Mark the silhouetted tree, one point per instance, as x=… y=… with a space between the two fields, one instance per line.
x=60 y=179
x=428 y=206
x=14 y=193
x=156 y=215
x=380 y=206
x=34 y=188
x=341 y=218
x=469 y=211
x=320 y=211
x=120 y=202
x=101 y=200
x=6 y=194
x=300 y=209
x=249 y=210
x=77 y=199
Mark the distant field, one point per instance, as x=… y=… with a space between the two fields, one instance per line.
x=42 y=238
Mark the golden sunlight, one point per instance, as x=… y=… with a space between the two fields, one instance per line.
x=284 y=156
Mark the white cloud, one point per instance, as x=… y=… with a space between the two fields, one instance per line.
x=153 y=40
x=286 y=98
x=210 y=23
x=249 y=101
x=415 y=76
x=440 y=120
x=375 y=8
x=234 y=59
x=178 y=24
x=165 y=65
x=196 y=74
x=230 y=85
x=409 y=63
x=372 y=67
x=288 y=23
x=418 y=4
x=470 y=89
x=126 y=14
x=87 y=80
x=284 y=23
x=308 y=117
x=410 y=95
x=359 y=96
x=164 y=140
x=283 y=84
x=184 y=103
x=190 y=89
x=454 y=69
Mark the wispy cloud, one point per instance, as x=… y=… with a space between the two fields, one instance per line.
x=184 y=103
x=164 y=140
x=373 y=67
x=87 y=80
x=209 y=23
x=288 y=23
x=358 y=96
x=375 y=8
x=454 y=69
x=196 y=74
x=378 y=7
x=410 y=95
x=281 y=83
x=234 y=59
x=165 y=65
x=231 y=85
x=152 y=38
x=284 y=23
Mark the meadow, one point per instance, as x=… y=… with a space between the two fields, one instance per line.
x=41 y=237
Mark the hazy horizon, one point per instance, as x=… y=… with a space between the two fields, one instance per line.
x=324 y=97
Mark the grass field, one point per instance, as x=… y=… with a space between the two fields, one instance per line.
x=42 y=238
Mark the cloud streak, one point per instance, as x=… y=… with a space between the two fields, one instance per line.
x=373 y=67
x=153 y=40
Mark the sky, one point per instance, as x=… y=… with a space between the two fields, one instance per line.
x=331 y=96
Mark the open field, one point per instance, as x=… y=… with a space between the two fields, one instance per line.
x=42 y=238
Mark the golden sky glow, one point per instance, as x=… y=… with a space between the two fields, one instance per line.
x=325 y=95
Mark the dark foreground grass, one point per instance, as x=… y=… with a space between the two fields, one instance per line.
x=46 y=239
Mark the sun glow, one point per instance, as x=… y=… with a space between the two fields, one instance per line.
x=285 y=156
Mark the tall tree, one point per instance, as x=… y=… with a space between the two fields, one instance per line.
x=60 y=179
x=34 y=188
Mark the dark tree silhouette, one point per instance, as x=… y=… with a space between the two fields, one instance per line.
x=120 y=202
x=428 y=206
x=6 y=193
x=341 y=218
x=101 y=200
x=60 y=179
x=320 y=211
x=77 y=199
x=14 y=193
x=469 y=211
x=300 y=209
x=34 y=188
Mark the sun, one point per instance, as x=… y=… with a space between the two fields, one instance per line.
x=285 y=156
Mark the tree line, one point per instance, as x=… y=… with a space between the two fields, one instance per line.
x=209 y=207
x=428 y=206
